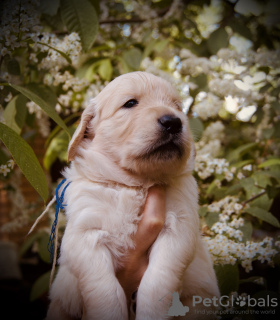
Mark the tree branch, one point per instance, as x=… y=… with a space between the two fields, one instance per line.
x=253 y=198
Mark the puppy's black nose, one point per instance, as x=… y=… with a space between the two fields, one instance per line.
x=171 y=124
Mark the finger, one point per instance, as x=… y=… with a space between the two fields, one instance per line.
x=152 y=220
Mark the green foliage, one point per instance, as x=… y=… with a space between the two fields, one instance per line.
x=263 y=215
x=105 y=69
x=57 y=149
x=228 y=278
x=217 y=40
x=133 y=58
x=80 y=16
x=15 y=113
x=44 y=98
x=26 y=159
x=40 y=286
x=49 y=7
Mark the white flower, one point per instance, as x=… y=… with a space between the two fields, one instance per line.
x=240 y=176
x=232 y=66
x=209 y=107
x=248 y=167
x=4 y=170
x=277 y=244
x=11 y=163
x=9 y=97
x=209 y=17
x=231 y=104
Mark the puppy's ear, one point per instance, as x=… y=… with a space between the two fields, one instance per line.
x=80 y=132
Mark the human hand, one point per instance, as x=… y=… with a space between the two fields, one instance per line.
x=149 y=227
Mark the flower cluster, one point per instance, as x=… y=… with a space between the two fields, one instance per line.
x=20 y=20
x=208 y=18
x=226 y=251
x=229 y=220
x=210 y=142
x=193 y=65
x=6 y=168
x=51 y=44
x=207 y=105
x=205 y=167
x=225 y=240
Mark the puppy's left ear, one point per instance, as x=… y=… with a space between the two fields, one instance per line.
x=80 y=132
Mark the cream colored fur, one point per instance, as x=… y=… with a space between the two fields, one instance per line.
x=111 y=170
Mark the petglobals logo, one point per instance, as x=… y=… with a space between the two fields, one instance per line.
x=226 y=301
x=233 y=304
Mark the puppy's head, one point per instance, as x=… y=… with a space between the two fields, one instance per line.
x=137 y=122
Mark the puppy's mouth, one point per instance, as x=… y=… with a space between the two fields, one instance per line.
x=165 y=149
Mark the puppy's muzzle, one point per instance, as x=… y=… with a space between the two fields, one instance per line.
x=170 y=124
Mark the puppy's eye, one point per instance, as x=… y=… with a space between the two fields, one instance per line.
x=130 y=103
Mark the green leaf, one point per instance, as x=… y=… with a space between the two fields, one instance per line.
x=133 y=58
x=269 y=163
x=212 y=188
x=3 y=157
x=49 y=7
x=88 y=64
x=269 y=173
x=202 y=211
x=45 y=99
x=15 y=113
x=43 y=248
x=149 y=48
x=25 y=158
x=261 y=180
x=40 y=286
x=239 y=27
x=63 y=54
x=96 y=5
x=80 y=16
x=57 y=149
x=242 y=164
x=196 y=127
x=13 y=67
x=238 y=152
x=228 y=278
x=262 y=202
x=160 y=45
x=55 y=22
x=155 y=45
x=272 y=192
x=57 y=129
x=124 y=68
x=263 y=215
x=233 y=190
x=247 y=230
x=105 y=69
x=217 y=40
x=211 y=218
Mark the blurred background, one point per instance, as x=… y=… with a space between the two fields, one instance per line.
x=224 y=59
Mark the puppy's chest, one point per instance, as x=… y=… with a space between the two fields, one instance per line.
x=125 y=209
x=114 y=212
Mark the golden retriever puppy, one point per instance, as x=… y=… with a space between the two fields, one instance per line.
x=132 y=136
